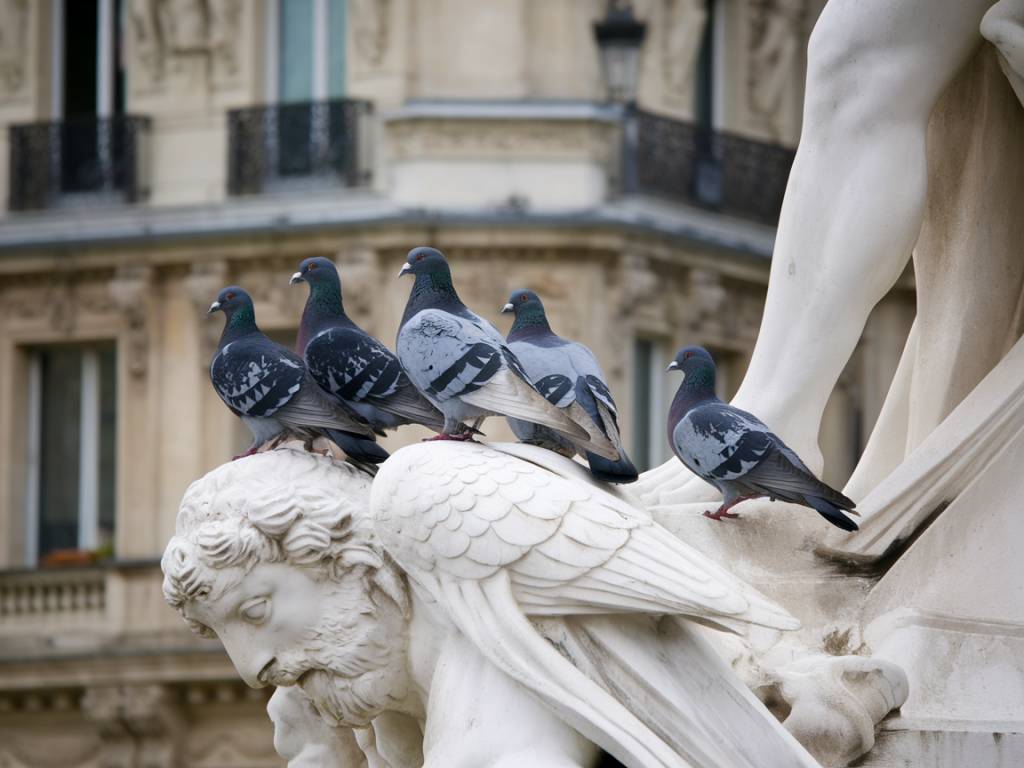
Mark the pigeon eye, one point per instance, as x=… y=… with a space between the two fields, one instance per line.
x=229 y=296
x=522 y=299
x=419 y=257
x=311 y=267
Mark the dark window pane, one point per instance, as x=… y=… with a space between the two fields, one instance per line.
x=60 y=439
x=60 y=432
x=80 y=19
x=643 y=357
x=108 y=442
x=294 y=145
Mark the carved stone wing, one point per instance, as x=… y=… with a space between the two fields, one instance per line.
x=468 y=512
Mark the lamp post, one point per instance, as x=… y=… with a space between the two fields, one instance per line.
x=620 y=36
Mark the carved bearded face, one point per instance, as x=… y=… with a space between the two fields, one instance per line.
x=281 y=626
x=298 y=592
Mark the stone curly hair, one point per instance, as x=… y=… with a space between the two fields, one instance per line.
x=285 y=505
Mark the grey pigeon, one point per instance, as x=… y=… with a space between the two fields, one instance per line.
x=735 y=452
x=460 y=362
x=267 y=387
x=568 y=375
x=348 y=364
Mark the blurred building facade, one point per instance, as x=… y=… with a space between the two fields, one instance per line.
x=154 y=151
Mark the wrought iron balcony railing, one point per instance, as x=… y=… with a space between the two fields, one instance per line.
x=78 y=160
x=298 y=145
x=681 y=161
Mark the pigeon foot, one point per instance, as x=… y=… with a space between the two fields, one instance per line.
x=465 y=437
x=721 y=514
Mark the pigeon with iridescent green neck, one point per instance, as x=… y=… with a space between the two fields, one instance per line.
x=350 y=366
x=568 y=375
x=267 y=387
x=460 y=362
x=735 y=452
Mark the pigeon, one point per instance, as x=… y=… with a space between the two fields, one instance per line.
x=350 y=366
x=735 y=452
x=268 y=388
x=460 y=362
x=568 y=375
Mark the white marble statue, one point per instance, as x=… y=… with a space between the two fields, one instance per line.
x=911 y=145
x=483 y=606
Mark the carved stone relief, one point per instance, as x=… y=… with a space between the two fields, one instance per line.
x=130 y=290
x=680 y=36
x=461 y=138
x=14 y=51
x=178 y=37
x=776 y=36
x=370 y=31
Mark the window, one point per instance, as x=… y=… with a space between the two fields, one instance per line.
x=72 y=404
x=651 y=397
x=311 y=50
x=91 y=93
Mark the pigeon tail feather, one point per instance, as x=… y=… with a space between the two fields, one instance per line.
x=621 y=471
x=831 y=512
x=357 y=447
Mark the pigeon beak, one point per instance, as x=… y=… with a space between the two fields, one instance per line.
x=672 y=367
x=296 y=278
x=405 y=269
x=507 y=308
x=213 y=308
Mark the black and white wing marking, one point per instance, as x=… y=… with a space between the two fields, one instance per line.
x=454 y=357
x=352 y=366
x=446 y=355
x=721 y=443
x=255 y=377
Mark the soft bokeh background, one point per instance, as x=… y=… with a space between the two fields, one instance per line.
x=154 y=151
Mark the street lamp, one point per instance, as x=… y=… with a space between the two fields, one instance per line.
x=620 y=36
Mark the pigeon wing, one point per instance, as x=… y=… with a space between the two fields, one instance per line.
x=720 y=443
x=310 y=408
x=452 y=356
x=256 y=377
x=468 y=512
x=782 y=475
x=355 y=367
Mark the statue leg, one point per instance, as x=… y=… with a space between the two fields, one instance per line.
x=853 y=206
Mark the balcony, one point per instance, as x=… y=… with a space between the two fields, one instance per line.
x=298 y=146
x=686 y=163
x=78 y=161
x=47 y=611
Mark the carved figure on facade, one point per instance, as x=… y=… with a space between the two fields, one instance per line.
x=14 y=50
x=370 y=31
x=681 y=33
x=176 y=36
x=776 y=29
